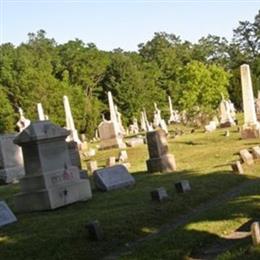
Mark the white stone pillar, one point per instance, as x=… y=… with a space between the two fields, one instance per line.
x=40 y=111
x=70 y=122
x=113 y=115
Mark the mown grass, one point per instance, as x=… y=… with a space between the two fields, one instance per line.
x=128 y=214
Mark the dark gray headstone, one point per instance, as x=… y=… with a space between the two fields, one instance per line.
x=182 y=186
x=159 y=194
x=95 y=231
x=112 y=178
x=6 y=215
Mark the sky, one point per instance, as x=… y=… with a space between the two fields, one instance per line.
x=112 y=24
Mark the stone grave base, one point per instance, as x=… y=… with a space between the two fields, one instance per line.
x=247 y=133
x=10 y=175
x=112 y=143
x=166 y=163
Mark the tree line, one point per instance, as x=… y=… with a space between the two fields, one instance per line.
x=193 y=74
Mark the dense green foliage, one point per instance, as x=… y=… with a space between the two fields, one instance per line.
x=194 y=75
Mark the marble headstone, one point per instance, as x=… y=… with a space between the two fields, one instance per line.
x=112 y=178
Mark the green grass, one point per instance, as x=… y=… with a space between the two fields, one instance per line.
x=129 y=214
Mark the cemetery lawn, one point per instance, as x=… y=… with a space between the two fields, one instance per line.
x=129 y=214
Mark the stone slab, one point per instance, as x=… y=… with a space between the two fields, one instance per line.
x=112 y=178
x=237 y=167
x=159 y=194
x=246 y=156
x=135 y=141
x=162 y=164
x=256 y=152
x=182 y=186
x=6 y=215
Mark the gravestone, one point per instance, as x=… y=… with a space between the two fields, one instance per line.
x=251 y=127
x=255 y=233
x=11 y=160
x=160 y=160
x=74 y=154
x=135 y=141
x=111 y=161
x=109 y=138
x=51 y=181
x=95 y=231
x=92 y=166
x=112 y=178
x=212 y=126
x=237 y=167
x=123 y=157
x=159 y=194
x=182 y=186
x=256 y=152
x=6 y=215
x=246 y=157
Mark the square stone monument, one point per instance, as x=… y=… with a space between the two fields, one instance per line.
x=51 y=181
x=11 y=160
x=160 y=159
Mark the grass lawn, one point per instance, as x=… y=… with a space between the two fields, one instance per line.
x=129 y=214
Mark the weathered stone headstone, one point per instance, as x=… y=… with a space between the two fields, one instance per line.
x=183 y=186
x=51 y=181
x=256 y=152
x=237 y=167
x=6 y=215
x=174 y=114
x=74 y=154
x=227 y=113
x=112 y=178
x=160 y=160
x=11 y=160
x=255 y=233
x=246 y=157
x=92 y=166
x=111 y=161
x=95 y=231
x=211 y=126
x=251 y=125
x=135 y=141
x=159 y=194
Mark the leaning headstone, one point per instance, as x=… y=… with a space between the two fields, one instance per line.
x=159 y=194
x=182 y=186
x=160 y=160
x=112 y=178
x=111 y=161
x=256 y=152
x=251 y=127
x=255 y=233
x=237 y=167
x=51 y=181
x=92 y=166
x=246 y=157
x=95 y=231
x=11 y=160
x=6 y=215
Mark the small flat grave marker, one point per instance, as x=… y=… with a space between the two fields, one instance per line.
x=112 y=178
x=237 y=167
x=6 y=215
x=159 y=194
x=246 y=156
x=182 y=186
x=95 y=231
x=256 y=152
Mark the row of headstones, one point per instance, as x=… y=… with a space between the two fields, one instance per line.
x=247 y=157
